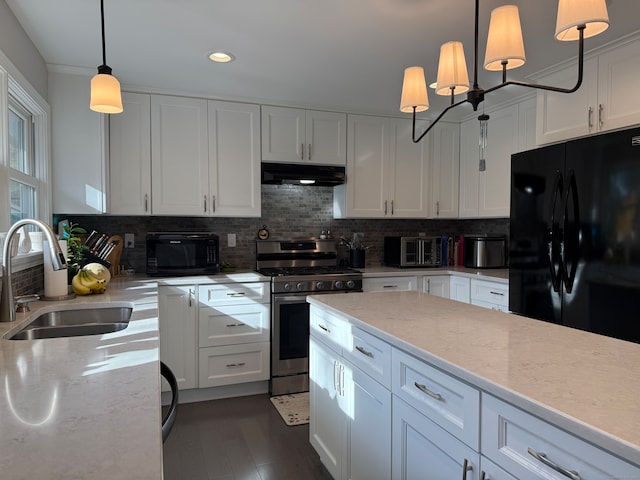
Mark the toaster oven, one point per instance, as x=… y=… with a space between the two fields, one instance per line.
x=413 y=251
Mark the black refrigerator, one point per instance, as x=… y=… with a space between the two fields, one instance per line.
x=574 y=247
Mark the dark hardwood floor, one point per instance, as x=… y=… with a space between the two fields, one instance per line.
x=240 y=438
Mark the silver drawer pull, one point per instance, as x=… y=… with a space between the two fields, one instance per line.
x=390 y=286
x=497 y=293
x=236 y=324
x=424 y=389
x=541 y=457
x=466 y=468
x=364 y=352
x=230 y=365
x=236 y=294
x=322 y=327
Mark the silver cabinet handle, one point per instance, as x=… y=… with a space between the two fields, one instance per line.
x=497 y=293
x=336 y=384
x=600 y=115
x=391 y=207
x=590 y=118
x=438 y=208
x=191 y=293
x=484 y=476
x=213 y=203
x=466 y=468
x=424 y=389
x=322 y=327
x=385 y=207
x=429 y=286
x=363 y=351
x=236 y=324
x=302 y=151
x=205 y=204
x=390 y=286
x=236 y=294
x=309 y=151
x=231 y=365
x=146 y=202
x=542 y=457
x=341 y=380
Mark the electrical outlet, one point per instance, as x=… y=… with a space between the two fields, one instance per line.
x=231 y=239
x=129 y=240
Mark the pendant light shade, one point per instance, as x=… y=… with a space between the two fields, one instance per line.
x=504 y=42
x=452 y=70
x=414 y=91
x=573 y=13
x=105 y=88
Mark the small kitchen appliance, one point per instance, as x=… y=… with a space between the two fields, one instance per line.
x=298 y=267
x=413 y=251
x=485 y=252
x=182 y=253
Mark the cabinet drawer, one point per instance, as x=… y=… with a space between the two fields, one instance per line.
x=232 y=364
x=370 y=354
x=511 y=438
x=491 y=292
x=233 y=293
x=233 y=324
x=447 y=401
x=493 y=472
x=492 y=306
x=328 y=328
x=388 y=284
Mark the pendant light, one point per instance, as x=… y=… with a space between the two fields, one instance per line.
x=576 y=20
x=105 y=88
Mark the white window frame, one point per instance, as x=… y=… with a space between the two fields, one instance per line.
x=14 y=84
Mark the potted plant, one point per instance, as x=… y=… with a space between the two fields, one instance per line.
x=75 y=248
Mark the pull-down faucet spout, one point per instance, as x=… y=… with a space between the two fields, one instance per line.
x=58 y=262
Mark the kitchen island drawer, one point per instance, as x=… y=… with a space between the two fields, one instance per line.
x=329 y=328
x=231 y=364
x=233 y=324
x=370 y=354
x=444 y=399
x=528 y=447
x=233 y=293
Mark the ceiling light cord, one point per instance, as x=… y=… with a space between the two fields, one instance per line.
x=104 y=68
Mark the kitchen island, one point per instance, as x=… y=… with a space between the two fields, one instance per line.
x=572 y=381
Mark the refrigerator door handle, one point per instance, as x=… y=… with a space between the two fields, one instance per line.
x=571 y=239
x=554 y=257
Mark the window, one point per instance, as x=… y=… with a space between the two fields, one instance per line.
x=23 y=181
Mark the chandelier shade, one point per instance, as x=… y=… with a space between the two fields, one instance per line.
x=414 y=91
x=504 y=42
x=574 y=13
x=453 y=77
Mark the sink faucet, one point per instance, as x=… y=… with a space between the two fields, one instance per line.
x=58 y=262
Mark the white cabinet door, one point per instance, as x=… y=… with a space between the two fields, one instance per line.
x=78 y=147
x=233 y=324
x=326 y=137
x=233 y=364
x=328 y=421
x=438 y=285
x=177 y=317
x=130 y=157
x=234 y=156
x=424 y=451
x=179 y=156
x=445 y=170
x=460 y=289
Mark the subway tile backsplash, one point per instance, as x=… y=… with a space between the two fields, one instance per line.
x=287 y=211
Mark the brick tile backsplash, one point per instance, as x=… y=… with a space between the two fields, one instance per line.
x=287 y=211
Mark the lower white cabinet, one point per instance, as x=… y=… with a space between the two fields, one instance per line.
x=528 y=447
x=460 y=289
x=493 y=295
x=177 y=318
x=490 y=471
x=438 y=285
x=424 y=451
x=231 y=364
x=387 y=284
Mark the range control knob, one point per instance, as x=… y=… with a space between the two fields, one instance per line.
x=351 y=284
x=339 y=284
x=287 y=287
x=299 y=286
x=319 y=285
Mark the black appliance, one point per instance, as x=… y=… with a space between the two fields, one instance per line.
x=302 y=174
x=574 y=255
x=298 y=267
x=182 y=253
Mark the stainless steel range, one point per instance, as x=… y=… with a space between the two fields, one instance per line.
x=298 y=268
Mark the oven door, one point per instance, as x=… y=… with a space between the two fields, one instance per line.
x=289 y=335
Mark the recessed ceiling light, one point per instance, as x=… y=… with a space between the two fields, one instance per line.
x=221 y=57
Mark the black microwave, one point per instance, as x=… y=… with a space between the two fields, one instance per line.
x=182 y=253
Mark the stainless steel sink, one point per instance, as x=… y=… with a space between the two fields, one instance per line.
x=75 y=323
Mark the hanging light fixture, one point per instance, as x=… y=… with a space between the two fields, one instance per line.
x=576 y=20
x=105 y=88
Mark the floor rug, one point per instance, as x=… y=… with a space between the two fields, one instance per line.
x=293 y=408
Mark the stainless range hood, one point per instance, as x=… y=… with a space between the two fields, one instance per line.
x=301 y=174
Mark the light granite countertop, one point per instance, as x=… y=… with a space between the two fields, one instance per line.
x=582 y=382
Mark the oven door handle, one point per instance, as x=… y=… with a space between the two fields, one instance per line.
x=290 y=298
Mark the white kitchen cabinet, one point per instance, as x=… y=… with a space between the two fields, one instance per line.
x=490 y=471
x=460 y=289
x=78 y=147
x=177 y=318
x=384 y=284
x=233 y=364
x=602 y=103
x=130 y=157
x=179 y=156
x=295 y=135
x=489 y=294
x=445 y=170
x=234 y=159
x=387 y=174
x=438 y=285
x=528 y=447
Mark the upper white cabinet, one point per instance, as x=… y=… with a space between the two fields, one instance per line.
x=303 y=136
x=602 y=103
x=130 y=157
x=79 y=141
x=445 y=169
x=387 y=174
x=485 y=186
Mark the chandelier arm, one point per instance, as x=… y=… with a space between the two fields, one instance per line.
x=413 y=133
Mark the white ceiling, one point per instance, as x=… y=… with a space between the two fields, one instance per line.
x=336 y=54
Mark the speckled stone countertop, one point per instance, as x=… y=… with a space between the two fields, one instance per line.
x=584 y=383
